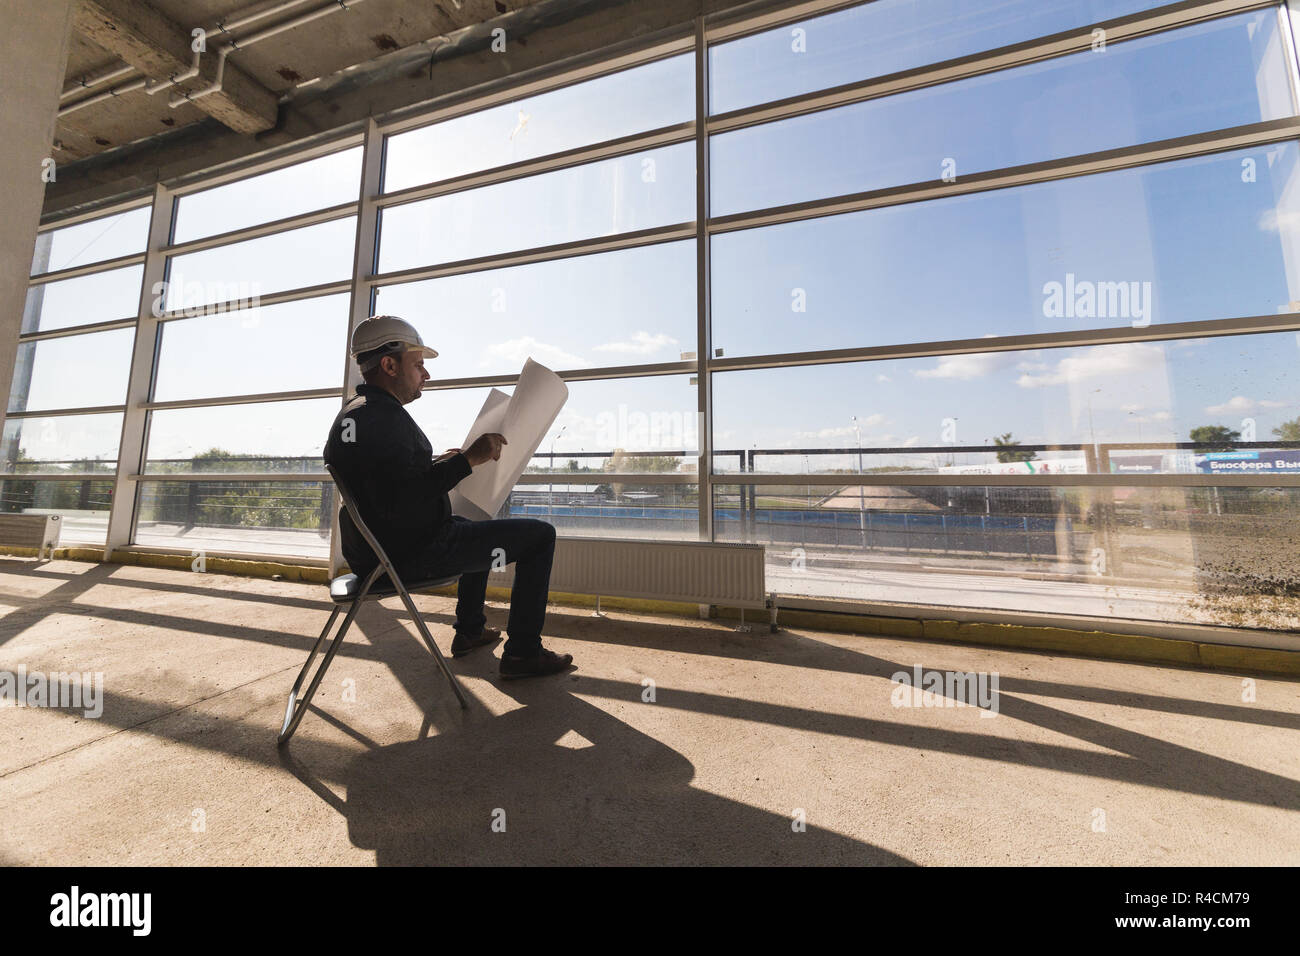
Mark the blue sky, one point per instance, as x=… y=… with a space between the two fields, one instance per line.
x=1214 y=237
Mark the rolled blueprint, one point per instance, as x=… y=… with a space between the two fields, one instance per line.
x=524 y=419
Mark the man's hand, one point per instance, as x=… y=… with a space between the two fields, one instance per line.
x=485 y=448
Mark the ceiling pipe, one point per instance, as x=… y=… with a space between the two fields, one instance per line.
x=92 y=80
x=263 y=34
x=234 y=21
x=108 y=94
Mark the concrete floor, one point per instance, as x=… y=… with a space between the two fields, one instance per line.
x=1086 y=762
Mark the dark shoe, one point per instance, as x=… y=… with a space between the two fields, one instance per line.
x=543 y=663
x=463 y=644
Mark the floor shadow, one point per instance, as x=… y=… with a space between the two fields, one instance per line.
x=571 y=785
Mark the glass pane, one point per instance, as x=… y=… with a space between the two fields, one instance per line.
x=1217 y=556
x=245 y=270
x=275 y=348
x=78 y=371
x=263 y=517
x=1179 y=242
x=637 y=424
x=1210 y=76
x=992 y=412
x=630 y=307
x=305 y=187
x=605 y=198
x=76 y=443
x=100 y=297
x=643 y=98
x=272 y=436
x=83 y=506
x=123 y=234
x=616 y=510
x=884 y=37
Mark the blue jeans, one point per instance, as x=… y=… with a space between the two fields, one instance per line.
x=471 y=549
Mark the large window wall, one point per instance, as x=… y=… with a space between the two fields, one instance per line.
x=990 y=304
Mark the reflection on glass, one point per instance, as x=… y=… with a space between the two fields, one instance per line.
x=623 y=194
x=990 y=413
x=274 y=348
x=271 y=436
x=110 y=237
x=250 y=517
x=304 y=187
x=82 y=506
x=243 y=271
x=78 y=371
x=1210 y=76
x=1179 y=242
x=587 y=506
x=630 y=307
x=1188 y=555
x=632 y=101
x=99 y=297
x=884 y=37
x=70 y=443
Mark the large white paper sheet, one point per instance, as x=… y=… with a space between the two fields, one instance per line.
x=523 y=418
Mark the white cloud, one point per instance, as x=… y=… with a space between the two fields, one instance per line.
x=517 y=350
x=1241 y=405
x=964 y=367
x=883 y=378
x=1115 y=361
x=641 y=343
x=843 y=431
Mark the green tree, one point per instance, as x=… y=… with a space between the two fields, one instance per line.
x=1008 y=450
x=1288 y=431
x=1215 y=437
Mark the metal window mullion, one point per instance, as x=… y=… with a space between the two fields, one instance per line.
x=106 y=326
x=264 y=229
x=523 y=257
x=365 y=256
x=540 y=80
x=703 y=323
x=1086 y=164
x=569 y=375
x=904 y=479
x=90 y=268
x=247 y=399
x=1051 y=47
x=1209 y=328
x=56 y=412
x=336 y=141
x=98 y=212
x=263 y=301
x=569 y=159
x=131 y=448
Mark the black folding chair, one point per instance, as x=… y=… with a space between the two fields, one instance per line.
x=350 y=591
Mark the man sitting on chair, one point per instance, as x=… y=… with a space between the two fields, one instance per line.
x=387 y=463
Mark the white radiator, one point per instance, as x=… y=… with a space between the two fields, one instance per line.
x=31 y=531
x=695 y=572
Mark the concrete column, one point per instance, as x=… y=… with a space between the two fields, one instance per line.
x=34 y=37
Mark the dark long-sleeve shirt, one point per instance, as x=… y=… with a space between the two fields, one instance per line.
x=386 y=462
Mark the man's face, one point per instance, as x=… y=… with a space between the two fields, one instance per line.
x=408 y=374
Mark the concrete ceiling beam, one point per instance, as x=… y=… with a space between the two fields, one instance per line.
x=160 y=48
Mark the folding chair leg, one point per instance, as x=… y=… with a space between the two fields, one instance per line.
x=437 y=654
x=294 y=711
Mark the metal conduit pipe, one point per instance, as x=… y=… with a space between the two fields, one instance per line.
x=244 y=42
x=234 y=21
